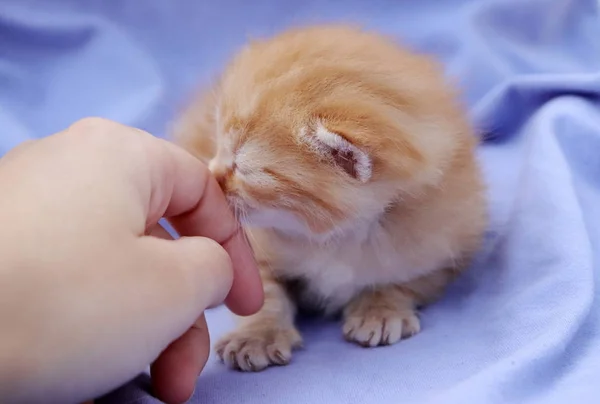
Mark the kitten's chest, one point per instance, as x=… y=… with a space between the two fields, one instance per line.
x=318 y=284
x=330 y=277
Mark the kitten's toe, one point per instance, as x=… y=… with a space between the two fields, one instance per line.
x=253 y=349
x=376 y=326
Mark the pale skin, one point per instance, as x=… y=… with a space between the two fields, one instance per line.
x=92 y=289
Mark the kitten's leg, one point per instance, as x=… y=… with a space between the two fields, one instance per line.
x=384 y=315
x=265 y=338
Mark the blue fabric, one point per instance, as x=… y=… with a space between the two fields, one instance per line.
x=523 y=326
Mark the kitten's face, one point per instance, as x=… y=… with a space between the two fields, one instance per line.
x=302 y=179
x=318 y=130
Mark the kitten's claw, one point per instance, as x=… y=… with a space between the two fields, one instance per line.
x=280 y=358
x=374 y=326
x=252 y=349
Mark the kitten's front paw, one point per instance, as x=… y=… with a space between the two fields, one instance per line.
x=253 y=348
x=371 y=326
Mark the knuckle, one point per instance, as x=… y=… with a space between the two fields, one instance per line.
x=207 y=271
x=92 y=125
x=210 y=255
x=93 y=132
x=215 y=253
x=101 y=133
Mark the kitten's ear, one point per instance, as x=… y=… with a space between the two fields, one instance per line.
x=354 y=161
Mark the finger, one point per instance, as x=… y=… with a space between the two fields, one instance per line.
x=175 y=372
x=246 y=295
x=199 y=266
x=181 y=279
x=160 y=232
x=196 y=206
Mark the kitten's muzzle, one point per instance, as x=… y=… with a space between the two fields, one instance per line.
x=222 y=178
x=221 y=173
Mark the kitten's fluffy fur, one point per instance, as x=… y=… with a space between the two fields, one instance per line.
x=352 y=167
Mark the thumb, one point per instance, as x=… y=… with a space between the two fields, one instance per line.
x=206 y=265
x=190 y=274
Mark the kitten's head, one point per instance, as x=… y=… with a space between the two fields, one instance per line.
x=318 y=129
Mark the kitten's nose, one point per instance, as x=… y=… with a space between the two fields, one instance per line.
x=222 y=179
x=221 y=173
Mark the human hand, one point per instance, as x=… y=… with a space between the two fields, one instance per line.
x=90 y=291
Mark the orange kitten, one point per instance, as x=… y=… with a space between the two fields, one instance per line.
x=352 y=167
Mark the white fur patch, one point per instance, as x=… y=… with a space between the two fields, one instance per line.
x=277 y=219
x=322 y=137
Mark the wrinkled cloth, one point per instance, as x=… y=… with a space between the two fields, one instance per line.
x=523 y=324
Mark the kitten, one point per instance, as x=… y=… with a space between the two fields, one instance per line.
x=351 y=165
